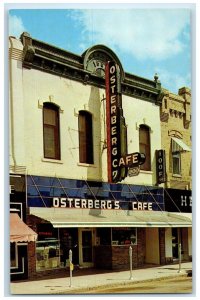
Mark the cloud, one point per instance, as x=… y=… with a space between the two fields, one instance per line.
x=142 y=33
x=16 y=26
x=173 y=82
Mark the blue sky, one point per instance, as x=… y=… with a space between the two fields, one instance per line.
x=146 y=40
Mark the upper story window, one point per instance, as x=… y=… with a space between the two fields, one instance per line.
x=176 y=158
x=85 y=137
x=51 y=131
x=145 y=147
x=176 y=163
x=165 y=103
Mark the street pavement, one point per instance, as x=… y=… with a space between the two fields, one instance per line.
x=85 y=283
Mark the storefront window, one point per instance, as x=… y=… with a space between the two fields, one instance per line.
x=103 y=236
x=48 y=254
x=124 y=236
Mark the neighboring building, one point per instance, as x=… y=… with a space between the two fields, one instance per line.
x=176 y=137
x=21 y=236
x=80 y=196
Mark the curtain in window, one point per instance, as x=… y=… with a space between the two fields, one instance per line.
x=144 y=141
x=85 y=137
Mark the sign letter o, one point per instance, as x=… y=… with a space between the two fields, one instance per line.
x=55 y=202
x=112 y=69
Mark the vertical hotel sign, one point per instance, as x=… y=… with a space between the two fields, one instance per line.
x=160 y=166
x=116 y=128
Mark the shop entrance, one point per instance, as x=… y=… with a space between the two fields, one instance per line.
x=86 y=247
x=68 y=241
x=152 y=246
x=18 y=261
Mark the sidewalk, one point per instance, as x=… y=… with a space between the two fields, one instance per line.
x=82 y=284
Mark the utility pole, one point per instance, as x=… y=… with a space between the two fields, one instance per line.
x=131 y=262
x=71 y=267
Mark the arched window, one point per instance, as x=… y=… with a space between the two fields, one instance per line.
x=85 y=137
x=145 y=147
x=51 y=131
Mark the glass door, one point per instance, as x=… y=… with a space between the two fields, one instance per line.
x=85 y=246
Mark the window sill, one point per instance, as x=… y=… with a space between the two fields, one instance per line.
x=177 y=175
x=86 y=165
x=146 y=172
x=54 y=161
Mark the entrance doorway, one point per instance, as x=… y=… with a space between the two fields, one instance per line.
x=18 y=261
x=68 y=241
x=152 y=246
x=86 y=247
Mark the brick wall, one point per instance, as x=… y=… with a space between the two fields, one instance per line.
x=162 y=245
x=117 y=257
x=32 y=222
x=120 y=257
x=103 y=257
x=141 y=246
x=176 y=121
x=31 y=260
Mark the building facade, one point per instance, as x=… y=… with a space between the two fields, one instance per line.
x=80 y=128
x=176 y=140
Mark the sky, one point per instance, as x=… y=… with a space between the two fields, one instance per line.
x=147 y=40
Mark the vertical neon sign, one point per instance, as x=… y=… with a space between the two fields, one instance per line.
x=116 y=128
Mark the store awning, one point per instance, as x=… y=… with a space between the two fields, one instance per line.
x=19 y=231
x=179 y=145
x=72 y=217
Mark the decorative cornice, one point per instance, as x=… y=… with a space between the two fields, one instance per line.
x=103 y=54
x=175 y=133
x=164 y=117
x=176 y=113
x=15 y=54
x=63 y=56
x=47 y=58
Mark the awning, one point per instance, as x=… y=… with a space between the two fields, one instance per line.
x=185 y=215
x=72 y=217
x=179 y=145
x=19 y=231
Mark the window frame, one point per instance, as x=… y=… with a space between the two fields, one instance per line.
x=85 y=130
x=56 y=131
x=147 y=165
x=176 y=155
x=124 y=236
x=45 y=258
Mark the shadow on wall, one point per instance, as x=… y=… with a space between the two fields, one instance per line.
x=94 y=107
